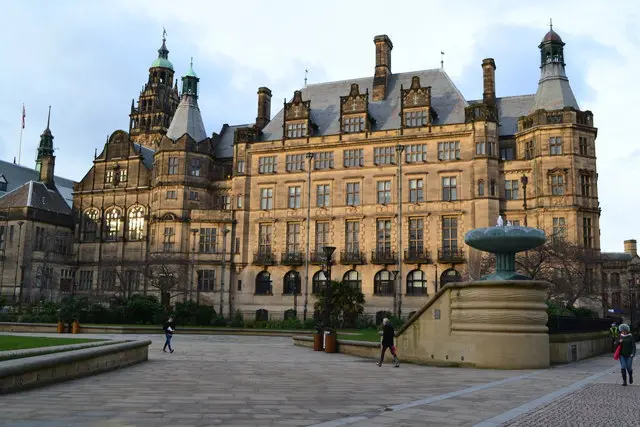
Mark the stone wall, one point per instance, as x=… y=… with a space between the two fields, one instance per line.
x=566 y=348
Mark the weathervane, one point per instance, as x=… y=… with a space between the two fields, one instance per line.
x=164 y=34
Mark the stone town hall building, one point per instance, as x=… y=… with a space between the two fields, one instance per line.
x=238 y=219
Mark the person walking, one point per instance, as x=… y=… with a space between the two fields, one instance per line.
x=168 y=333
x=388 y=335
x=627 y=352
x=613 y=330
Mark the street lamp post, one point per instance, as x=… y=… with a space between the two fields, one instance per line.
x=524 y=180
x=225 y=231
x=15 y=279
x=306 y=258
x=193 y=268
x=398 y=283
x=328 y=252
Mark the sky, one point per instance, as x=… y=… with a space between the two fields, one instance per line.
x=89 y=59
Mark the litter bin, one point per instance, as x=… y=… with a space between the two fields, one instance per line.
x=60 y=328
x=330 y=342
x=75 y=328
x=317 y=341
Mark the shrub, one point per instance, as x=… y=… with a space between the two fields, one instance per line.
x=142 y=309
x=365 y=321
x=219 y=321
x=186 y=313
x=237 y=321
x=205 y=316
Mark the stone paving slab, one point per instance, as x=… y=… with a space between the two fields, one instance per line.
x=258 y=381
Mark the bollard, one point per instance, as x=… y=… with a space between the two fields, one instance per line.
x=60 y=328
x=75 y=328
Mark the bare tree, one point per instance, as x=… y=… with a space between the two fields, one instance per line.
x=169 y=276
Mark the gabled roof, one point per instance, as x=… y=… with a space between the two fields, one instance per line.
x=187 y=120
x=446 y=100
x=510 y=109
x=34 y=194
x=224 y=147
x=17 y=175
x=147 y=154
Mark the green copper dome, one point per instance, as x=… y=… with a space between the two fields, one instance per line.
x=190 y=72
x=162 y=62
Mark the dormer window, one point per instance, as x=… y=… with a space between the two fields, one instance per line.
x=3 y=183
x=354 y=110
x=297 y=117
x=296 y=130
x=415 y=104
x=122 y=175
x=109 y=176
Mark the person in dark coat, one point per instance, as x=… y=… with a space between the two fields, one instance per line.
x=168 y=328
x=388 y=335
x=627 y=352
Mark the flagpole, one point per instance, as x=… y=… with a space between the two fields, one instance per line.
x=20 y=146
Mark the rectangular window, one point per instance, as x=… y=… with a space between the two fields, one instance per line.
x=415 y=153
x=557 y=185
x=449 y=150
x=294 y=197
x=108 y=280
x=528 y=149
x=66 y=280
x=237 y=246
x=587 y=232
x=266 y=198
x=208 y=241
x=383 y=235
x=85 y=281
x=11 y=228
x=585 y=185
x=240 y=166
x=507 y=153
x=206 y=280
x=2 y=238
x=352 y=236
x=323 y=195
x=353 y=124
x=323 y=160
x=322 y=236
x=353 y=158
x=511 y=189
x=293 y=238
x=171 y=194
x=109 y=175
x=40 y=239
x=416 y=191
x=414 y=119
x=480 y=188
x=480 y=148
x=384 y=155
x=267 y=164
x=353 y=194
x=449 y=188
x=225 y=203
x=132 y=280
x=122 y=175
x=295 y=162
x=449 y=233
x=169 y=238
x=583 y=145
x=193 y=195
x=296 y=130
x=173 y=166
x=196 y=165
x=559 y=228
x=264 y=238
x=555 y=145
x=416 y=233
x=384 y=192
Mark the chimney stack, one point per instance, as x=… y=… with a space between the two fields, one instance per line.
x=264 y=107
x=631 y=247
x=383 y=66
x=489 y=81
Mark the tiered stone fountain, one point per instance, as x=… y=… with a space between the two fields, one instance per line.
x=498 y=321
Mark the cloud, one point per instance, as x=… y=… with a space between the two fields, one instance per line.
x=88 y=61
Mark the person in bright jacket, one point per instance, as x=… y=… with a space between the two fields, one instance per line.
x=388 y=335
x=613 y=331
x=627 y=352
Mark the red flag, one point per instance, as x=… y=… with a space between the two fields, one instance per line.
x=24 y=115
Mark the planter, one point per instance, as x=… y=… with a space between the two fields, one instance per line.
x=317 y=342
x=331 y=343
x=75 y=328
x=60 y=327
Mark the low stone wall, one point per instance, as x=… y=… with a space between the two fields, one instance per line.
x=367 y=350
x=566 y=348
x=21 y=374
x=98 y=329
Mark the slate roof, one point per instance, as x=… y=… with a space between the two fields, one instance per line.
x=224 y=147
x=616 y=256
x=187 y=120
x=17 y=175
x=147 y=154
x=36 y=195
x=446 y=100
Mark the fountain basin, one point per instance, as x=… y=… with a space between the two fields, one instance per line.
x=510 y=239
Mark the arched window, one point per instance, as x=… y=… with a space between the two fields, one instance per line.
x=290 y=314
x=263 y=283
x=417 y=283
x=319 y=282
x=291 y=283
x=135 y=226
x=262 y=315
x=90 y=221
x=450 y=275
x=112 y=224
x=480 y=188
x=352 y=279
x=383 y=283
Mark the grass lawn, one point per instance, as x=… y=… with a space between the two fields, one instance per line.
x=370 y=335
x=20 y=342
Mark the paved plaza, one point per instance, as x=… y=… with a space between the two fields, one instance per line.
x=266 y=381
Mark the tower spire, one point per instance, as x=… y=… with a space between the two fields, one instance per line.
x=550 y=24
x=45 y=160
x=49 y=118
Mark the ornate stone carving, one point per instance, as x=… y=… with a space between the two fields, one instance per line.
x=297 y=109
